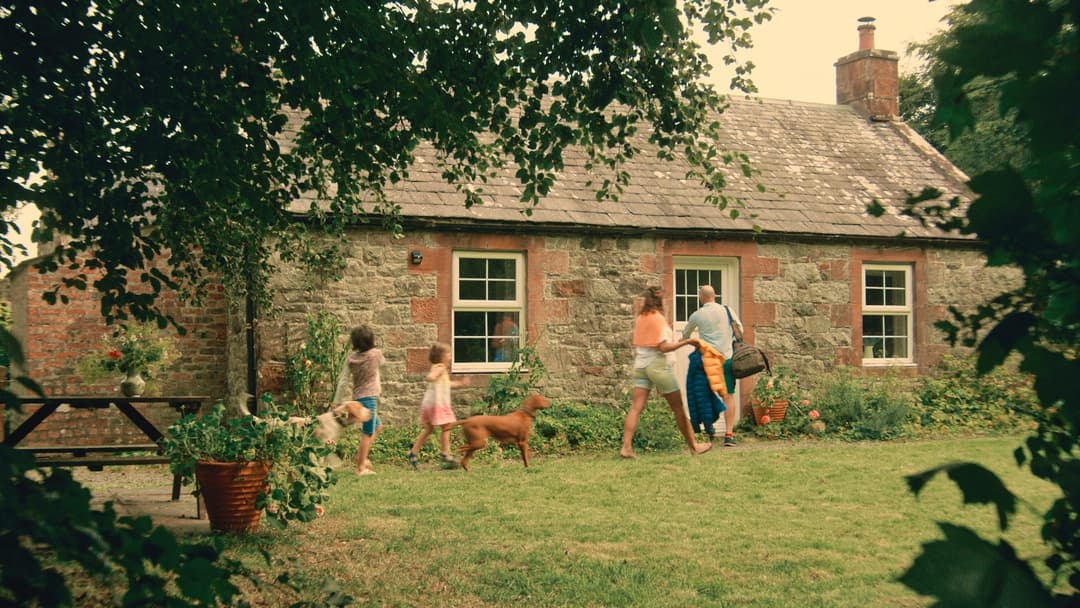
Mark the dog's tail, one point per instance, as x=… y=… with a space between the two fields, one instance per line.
x=450 y=425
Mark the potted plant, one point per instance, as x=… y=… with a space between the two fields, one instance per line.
x=136 y=352
x=245 y=465
x=771 y=395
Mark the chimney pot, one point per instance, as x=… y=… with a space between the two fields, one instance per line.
x=866 y=33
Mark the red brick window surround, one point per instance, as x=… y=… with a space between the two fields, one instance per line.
x=489 y=296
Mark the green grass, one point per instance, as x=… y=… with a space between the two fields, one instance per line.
x=766 y=524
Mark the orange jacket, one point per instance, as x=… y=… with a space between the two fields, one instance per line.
x=713 y=362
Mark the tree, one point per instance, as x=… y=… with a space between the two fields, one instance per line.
x=184 y=131
x=1026 y=213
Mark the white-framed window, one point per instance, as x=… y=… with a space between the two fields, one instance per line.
x=887 y=313
x=489 y=309
x=693 y=272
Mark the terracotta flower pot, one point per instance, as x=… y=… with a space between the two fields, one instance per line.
x=775 y=412
x=229 y=490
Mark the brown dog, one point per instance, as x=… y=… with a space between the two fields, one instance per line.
x=508 y=428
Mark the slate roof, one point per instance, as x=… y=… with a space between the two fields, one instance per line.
x=820 y=165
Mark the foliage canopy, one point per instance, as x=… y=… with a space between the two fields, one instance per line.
x=1026 y=212
x=187 y=131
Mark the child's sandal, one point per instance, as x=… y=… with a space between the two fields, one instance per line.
x=412 y=459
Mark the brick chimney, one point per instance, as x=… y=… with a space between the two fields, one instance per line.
x=869 y=78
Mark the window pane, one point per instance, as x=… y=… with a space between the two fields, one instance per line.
x=472 y=268
x=470 y=350
x=505 y=337
x=872 y=348
x=896 y=348
x=680 y=282
x=874 y=297
x=502 y=291
x=470 y=323
x=875 y=278
x=873 y=325
x=471 y=290
x=501 y=269
x=896 y=325
x=893 y=278
x=895 y=297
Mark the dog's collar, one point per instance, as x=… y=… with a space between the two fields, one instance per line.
x=528 y=412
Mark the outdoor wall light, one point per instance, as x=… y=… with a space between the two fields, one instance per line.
x=416 y=257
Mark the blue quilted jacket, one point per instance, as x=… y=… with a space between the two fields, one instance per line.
x=704 y=405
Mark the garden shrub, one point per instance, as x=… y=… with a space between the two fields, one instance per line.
x=954 y=398
x=507 y=390
x=311 y=372
x=855 y=407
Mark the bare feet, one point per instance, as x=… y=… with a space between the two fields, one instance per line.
x=627 y=454
x=701 y=448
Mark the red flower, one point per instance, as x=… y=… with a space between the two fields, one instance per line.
x=814 y=415
x=319 y=510
x=115 y=355
x=805 y=402
x=766 y=419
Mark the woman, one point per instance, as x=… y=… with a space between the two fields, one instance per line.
x=652 y=339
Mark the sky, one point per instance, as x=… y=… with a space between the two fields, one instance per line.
x=794 y=53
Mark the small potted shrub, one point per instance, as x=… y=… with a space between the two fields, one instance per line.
x=244 y=465
x=771 y=395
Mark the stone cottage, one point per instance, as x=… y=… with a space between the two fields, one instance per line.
x=817 y=281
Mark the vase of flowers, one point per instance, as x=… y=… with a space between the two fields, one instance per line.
x=134 y=352
x=771 y=395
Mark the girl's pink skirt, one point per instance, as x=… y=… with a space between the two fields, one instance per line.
x=437 y=414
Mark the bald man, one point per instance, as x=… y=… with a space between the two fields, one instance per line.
x=714 y=328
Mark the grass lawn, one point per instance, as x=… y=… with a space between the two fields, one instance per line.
x=765 y=524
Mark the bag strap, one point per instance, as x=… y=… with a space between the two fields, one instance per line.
x=734 y=328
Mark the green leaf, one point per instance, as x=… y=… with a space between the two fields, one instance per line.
x=964 y=571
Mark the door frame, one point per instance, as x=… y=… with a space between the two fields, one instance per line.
x=727 y=293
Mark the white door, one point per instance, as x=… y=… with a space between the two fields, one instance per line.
x=690 y=274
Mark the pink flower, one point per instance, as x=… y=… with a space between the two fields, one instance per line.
x=814 y=415
x=330 y=441
x=319 y=510
x=271 y=508
x=805 y=402
x=766 y=419
x=769 y=383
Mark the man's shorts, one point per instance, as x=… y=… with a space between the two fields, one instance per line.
x=729 y=377
x=657 y=374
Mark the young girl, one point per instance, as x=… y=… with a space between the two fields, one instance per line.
x=359 y=380
x=435 y=410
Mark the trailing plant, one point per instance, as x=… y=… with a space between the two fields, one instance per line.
x=310 y=372
x=298 y=477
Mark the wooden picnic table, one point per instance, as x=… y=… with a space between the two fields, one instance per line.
x=94 y=457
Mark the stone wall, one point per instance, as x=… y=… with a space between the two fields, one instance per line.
x=800 y=301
